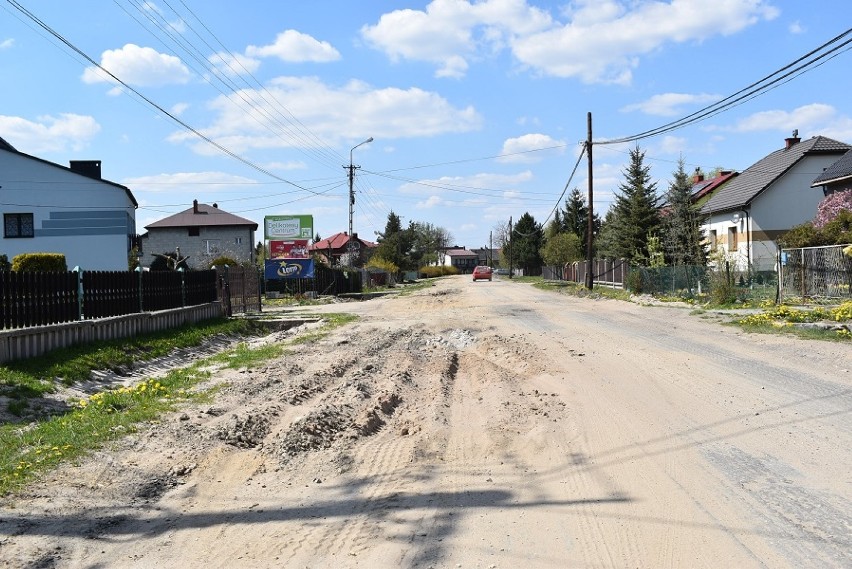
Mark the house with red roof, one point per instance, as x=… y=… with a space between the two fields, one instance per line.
x=333 y=249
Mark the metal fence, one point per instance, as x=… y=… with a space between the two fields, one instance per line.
x=41 y=298
x=607 y=272
x=815 y=274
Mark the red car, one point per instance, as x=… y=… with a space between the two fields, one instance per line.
x=481 y=272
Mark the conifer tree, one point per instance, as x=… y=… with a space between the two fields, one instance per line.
x=683 y=239
x=636 y=213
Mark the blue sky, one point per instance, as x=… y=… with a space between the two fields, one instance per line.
x=477 y=108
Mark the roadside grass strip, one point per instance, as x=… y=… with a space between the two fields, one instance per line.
x=786 y=317
x=28 y=450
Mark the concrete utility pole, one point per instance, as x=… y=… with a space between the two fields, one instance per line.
x=510 y=247
x=590 y=233
x=349 y=244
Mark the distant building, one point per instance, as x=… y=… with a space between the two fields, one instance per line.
x=202 y=233
x=49 y=208
x=334 y=248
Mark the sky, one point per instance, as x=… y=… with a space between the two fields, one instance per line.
x=477 y=108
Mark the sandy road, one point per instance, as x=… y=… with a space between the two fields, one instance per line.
x=480 y=425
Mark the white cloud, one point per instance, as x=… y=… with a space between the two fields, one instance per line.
x=138 y=66
x=296 y=47
x=672 y=145
x=601 y=41
x=671 y=104
x=476 y=183
x=796 y=28
x=178 y=25
x=291 y=165
x=523 y=149
x=805 y=118
x=179 y=108
x=49 y=133
x=234 y=65
x=333 y=114
x=192 y=182
x=450 y=33
x=7 y=43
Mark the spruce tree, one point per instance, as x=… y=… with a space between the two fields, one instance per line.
x=636 y=213
x=527 y=239
x=683 y=239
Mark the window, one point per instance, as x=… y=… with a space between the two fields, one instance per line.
x=18 y=225
x=194 y=231
x=713 y=240
x=732 y=239
x=238 y=240
x=212 y=246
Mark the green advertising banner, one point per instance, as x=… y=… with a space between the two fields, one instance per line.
x=288 y=227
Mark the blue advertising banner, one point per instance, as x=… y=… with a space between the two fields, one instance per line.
x=277 y=269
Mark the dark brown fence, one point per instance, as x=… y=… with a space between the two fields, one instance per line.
x=33 y=299
x=239 y=289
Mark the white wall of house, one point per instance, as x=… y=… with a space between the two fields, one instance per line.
x=211 y=242
x=788 y=202
x=87 y=220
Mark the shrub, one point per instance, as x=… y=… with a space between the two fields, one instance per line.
x=222 y=261
x=383 y=265
x=33 y=262
x=830 y=207
x=635 y=282
x=431 y=272
x=5 y=265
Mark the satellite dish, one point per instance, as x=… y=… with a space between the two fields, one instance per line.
x=735 y=218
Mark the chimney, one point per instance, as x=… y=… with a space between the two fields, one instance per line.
x=793 y=140
x=88 y=168
x=194 y=206
x=698 y=176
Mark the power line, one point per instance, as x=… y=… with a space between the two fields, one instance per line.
x=147 y=100
x=757 y=88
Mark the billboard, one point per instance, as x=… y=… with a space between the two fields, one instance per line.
x=295 y=249
x=288 y=227
x=277 y=269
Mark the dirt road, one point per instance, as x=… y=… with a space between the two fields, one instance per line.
x=480 y=425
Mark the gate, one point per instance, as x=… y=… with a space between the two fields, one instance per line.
x=239 y=289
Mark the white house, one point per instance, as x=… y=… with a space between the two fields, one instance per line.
x=202 y=233
x=49 y=208
x=748 y=214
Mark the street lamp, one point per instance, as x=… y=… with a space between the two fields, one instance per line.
x=352 y=167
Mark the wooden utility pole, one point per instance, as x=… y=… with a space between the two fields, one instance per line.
x=590 y=233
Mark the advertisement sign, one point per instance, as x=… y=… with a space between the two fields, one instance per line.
x=278 y=269
x=296 y=249
x=288 y=227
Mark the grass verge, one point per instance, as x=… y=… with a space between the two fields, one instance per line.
x=27 y=451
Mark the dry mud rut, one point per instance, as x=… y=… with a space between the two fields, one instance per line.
x=485 y=425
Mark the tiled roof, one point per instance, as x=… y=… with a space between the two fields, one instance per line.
x=756 y=178
x=705 y=187
x=338 y=241
x=207 y=216
x=461 y=253
x=837 y=172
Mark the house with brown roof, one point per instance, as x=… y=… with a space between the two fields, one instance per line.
x=748 y=214
x=202 y=233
